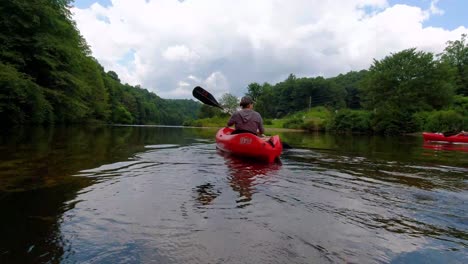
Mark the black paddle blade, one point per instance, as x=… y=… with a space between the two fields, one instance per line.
x=450 y=133
x=205 y=97
x=286 y=145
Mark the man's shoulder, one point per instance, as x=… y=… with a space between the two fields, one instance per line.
x=257 y=114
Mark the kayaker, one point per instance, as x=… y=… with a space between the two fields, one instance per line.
x=247 y=120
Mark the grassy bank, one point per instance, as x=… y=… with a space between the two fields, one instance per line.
x=360 y=121
x=314 y=119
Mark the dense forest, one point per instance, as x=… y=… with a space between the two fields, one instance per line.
x=407 y=91
x=47 y=74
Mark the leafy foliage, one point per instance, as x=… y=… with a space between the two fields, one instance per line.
x=347 y=120
x=294 y=123
x=229 y=102
x=456 y=55
x=409 y=80
x=350 y=84
x=438 y=121
x=47 y=74
x=21 y=100
x=295 y=94
x=388 y=96
x=314 y=119
x=460 y=105
x=254 y=90
x=208 y=111
x=402 y=84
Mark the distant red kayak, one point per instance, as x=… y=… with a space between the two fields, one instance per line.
x=249 y=145
x=458 y=138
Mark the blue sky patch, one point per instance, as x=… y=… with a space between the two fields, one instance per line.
x=127 y=58
x=103 y=18
x=455 y=12
x=87 y=3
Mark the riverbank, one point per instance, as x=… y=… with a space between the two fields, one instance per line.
x=354 y=121
x=314 y=119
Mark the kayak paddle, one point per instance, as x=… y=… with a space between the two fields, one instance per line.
x=450 y=133
x=205 y=97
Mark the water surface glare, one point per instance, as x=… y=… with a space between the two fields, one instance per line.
x=166 y=195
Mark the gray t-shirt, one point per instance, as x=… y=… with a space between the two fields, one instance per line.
x=247 y=119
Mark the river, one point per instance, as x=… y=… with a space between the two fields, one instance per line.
x=143 y=194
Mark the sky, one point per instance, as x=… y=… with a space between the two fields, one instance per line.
x=171 y=46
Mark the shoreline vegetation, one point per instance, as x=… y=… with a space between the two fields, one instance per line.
x=48 y=76
x=321 y=119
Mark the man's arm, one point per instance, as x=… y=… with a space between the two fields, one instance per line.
x=232 y=120
x=261 y=130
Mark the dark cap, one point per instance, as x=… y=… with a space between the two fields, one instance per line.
x=245 y=101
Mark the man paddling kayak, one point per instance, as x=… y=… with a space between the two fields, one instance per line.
x=247 y=120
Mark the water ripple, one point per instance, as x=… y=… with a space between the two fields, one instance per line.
x=180 y=204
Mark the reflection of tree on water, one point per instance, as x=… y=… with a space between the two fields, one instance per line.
x=206 y=193
x=30 y=223
x=244 y=174
x=36 y=182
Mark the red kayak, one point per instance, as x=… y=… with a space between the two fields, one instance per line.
x=249 y=145
x=458 y=138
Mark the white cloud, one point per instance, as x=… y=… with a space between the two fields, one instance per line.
x=183 y=84
x=179 y=53
x=193 y=78
x=225 y=45
x=434 y=9
x=217 y=83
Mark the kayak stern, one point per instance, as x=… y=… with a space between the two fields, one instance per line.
x=249 y=145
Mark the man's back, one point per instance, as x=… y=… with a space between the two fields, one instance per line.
x=248 y=120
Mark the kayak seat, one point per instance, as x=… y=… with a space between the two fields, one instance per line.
x=270 y=141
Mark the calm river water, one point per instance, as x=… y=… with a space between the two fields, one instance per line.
x=166 y=195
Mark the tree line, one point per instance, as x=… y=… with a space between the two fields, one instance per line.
x=407 y=91
x=47 y=74
x=404 y=92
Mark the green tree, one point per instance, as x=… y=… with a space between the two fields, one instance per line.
x=404 y=83
x=456 y=54
x=254 y=90
x=207 y=111
x=296 y=94
x=263 y=103
x=229 y=102
x=21 y=100
x=410 y=80
x=40 y=40
x=349 y=83
x=113 y=75
x=47 y=74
